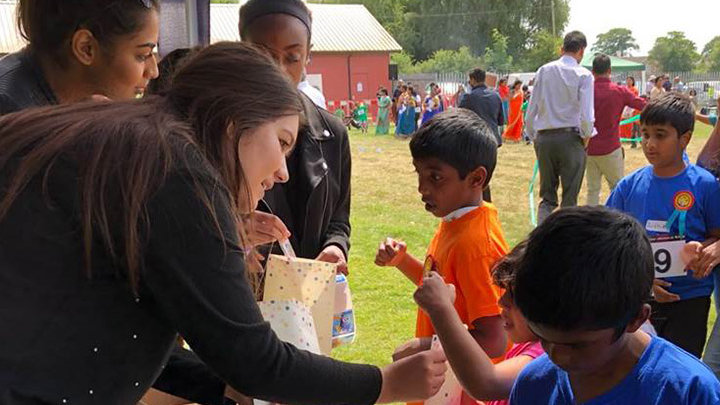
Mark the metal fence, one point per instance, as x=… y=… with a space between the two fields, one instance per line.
x=448 y=82
x=706 y=85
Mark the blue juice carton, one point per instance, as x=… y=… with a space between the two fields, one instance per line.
x=344 y=316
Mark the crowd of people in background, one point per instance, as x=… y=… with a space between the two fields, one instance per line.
x=514 y=97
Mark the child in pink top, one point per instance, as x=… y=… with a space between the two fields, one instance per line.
x=529 y=351
x=480 y=378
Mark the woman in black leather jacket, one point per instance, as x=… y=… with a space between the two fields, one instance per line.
x=80 y=49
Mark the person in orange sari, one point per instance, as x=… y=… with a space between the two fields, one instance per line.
x=626 y=131
x=514 y=129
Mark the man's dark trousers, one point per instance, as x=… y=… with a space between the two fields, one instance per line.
x=561 y=158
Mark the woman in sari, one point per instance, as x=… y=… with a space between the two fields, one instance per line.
x=514 y=130
x=628 y=131
x=430 y=107
x=504 y=92
x=383 y=120
x=407 y=123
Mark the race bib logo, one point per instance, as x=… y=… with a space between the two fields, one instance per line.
x=683 y=200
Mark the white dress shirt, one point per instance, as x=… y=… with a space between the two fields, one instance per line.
x=314 y=94
x=562 y=98
x=459 y=213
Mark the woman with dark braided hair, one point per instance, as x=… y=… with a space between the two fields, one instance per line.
x=79 y=49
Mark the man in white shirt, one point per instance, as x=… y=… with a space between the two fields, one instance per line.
x=560 y=120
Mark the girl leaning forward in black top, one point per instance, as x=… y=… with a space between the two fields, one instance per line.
x=118 y=230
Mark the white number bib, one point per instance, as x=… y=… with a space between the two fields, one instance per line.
x=666 y=254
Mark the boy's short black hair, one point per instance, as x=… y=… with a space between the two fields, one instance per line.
x=672 y=108
x=574 y=41
x=601 y=64
x=585 y=268
x=478 y=75
x=460 y=138
x=505 y=269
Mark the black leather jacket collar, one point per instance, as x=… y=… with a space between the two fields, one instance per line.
x=22 y=83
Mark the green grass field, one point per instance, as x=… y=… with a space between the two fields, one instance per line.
x=385 y=202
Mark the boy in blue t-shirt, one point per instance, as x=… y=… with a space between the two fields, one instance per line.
x=583 y=286
x=673 y=199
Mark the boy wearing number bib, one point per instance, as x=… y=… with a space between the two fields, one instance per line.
x=676 y=202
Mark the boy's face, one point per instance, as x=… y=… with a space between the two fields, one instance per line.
x=441 y=188
x=662 y=145
x=579 y=352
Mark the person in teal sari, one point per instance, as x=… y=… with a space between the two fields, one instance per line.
x=406 y=110
x=383 y=117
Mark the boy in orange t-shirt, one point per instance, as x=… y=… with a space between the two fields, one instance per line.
x=454 y=156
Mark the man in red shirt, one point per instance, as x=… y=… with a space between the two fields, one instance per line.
x=605 y=154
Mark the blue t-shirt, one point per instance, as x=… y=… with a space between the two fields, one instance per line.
x=664 y=375
x=648 y=197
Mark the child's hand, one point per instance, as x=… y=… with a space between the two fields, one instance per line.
x=708 y=258
x=390 y=253
x=434 y=295
x=412 y=346
x=689 y=255
x=662 y=295
x=690 y=252
x=414 y=378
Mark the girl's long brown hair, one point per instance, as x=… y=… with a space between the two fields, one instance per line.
x=123 y=153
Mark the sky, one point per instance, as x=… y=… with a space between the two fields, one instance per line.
x=648 y=19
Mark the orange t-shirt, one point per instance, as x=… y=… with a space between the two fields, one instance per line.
x=465 y=251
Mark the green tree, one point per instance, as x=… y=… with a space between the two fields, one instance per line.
x=404 y=62
x=616 y=41
x=711 y=56
x=425 y=26
x=543 y=47
x=674 y=53
x=496 y=56
x=455 y=23
x=442 y=60
x=446 y=60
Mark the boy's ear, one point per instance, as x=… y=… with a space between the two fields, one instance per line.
x=685 y=139
x=478 y=177
x=642 y=316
